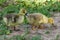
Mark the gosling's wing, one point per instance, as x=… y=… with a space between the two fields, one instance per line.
x=45 y=19
x=31 y=18
x=40 y=18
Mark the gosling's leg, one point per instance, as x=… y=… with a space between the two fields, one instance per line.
x=41 y=26
x=33 y=27
x=16 y=29
x=37 y=27
x=55 y=26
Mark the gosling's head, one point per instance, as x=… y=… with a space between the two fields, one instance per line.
x=51 y=20
x=22 y=11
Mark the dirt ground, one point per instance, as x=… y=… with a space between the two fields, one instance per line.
x=46 y=36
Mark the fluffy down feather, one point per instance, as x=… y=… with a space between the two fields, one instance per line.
x=37 y=19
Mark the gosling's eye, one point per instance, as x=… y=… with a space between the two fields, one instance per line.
x=23 y=11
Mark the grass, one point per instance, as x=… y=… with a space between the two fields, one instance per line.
x=19 y=37
x=47 y=32
x=2 y=1
x=3 y=28
x=37 y=37
x=57 y=37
